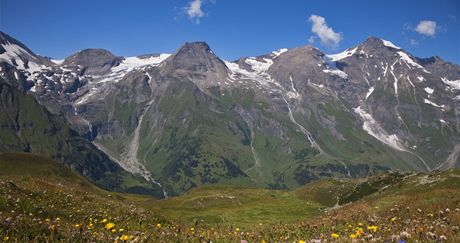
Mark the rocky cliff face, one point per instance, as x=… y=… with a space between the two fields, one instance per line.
x=27 y=126
x=278 y=120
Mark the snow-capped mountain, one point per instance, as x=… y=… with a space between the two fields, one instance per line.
x=278 y=120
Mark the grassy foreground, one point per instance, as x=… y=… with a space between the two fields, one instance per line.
x=43 y=201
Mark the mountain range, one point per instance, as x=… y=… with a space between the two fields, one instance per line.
x=162 y=124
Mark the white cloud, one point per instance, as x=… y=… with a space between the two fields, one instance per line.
x=426 y=27
x=325 y=33
x=194 y=11
x=311 y=40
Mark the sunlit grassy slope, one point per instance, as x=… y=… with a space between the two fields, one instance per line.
x=43 y=200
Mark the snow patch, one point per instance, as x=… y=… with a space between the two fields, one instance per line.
x=373 y=128
x=369 y=92
x=389 y=44
x=332 y=68
x=429 y=90
x=410 y=61
x=259 y=74
x=427 y=101
x=336 y=72
x=453 y=84
x=293 y=93
x=58 y=62
x=259 y=66
x=342 y=55
x=280 y=51
x=130 y=63
x=14 y=52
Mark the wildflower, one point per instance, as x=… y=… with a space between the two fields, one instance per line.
x=121 y=230
x=57 y=219
x=405 y=234
x=192 y=229
x=335 y=235
x=109 y=226
x=158 y=225
x=90 y=226
x=372 y=228
x=47 y=220
x=78 y=226
x=393 y=219
x=114 y=230
x=237 y=229
x=443 y=237
x=104 y=221
x=353 y=236
x=124 y=237
x=6 y=238
x=301 y=241
x=360 y=224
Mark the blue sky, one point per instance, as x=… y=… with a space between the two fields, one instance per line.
x=233 y=28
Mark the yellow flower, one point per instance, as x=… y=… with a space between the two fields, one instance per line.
x=360 y=224
x=124 y=237
x=104 y=221
x=373 y=228
x=301 y=241
x=158 y=225
x=47 y=220
x=121 y=230
x=353 y=236
x=6 y=238
x=237 y=229
x=335 y=235
x=393 y=219
x=114 y=230
x=192 y=229
x=78 y=226
x=109 y=226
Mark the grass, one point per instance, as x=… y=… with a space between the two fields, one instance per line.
x=238 y=207
x=44 y=201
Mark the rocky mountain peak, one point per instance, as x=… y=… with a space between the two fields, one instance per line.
x=17 y=54
x=373 y=42
x=93 y=61
x=196 y=57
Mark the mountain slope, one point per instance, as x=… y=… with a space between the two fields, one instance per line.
x=278 y=120
x=26 y=126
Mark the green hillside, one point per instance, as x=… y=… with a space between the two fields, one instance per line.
x=43 y=200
